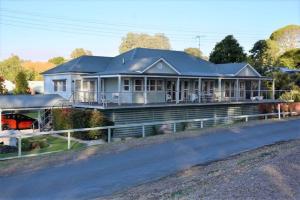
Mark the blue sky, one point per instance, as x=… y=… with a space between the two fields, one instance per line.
x=39 y=30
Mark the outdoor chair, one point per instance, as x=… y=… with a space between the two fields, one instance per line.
x=168 y=98
x=194 y=98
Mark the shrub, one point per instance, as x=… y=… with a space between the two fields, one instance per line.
x=293 y=95
x=21 y=84
x=77 y=118
x=29 y=144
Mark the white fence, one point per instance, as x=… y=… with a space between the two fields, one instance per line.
x=109 y=129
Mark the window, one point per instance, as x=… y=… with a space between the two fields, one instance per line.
x=138 y=85
x=77 y=85
x=152 y=85
x=227 y=89
x=60 y=85
x=242 y=89
x=126 y=84
x=159 y=85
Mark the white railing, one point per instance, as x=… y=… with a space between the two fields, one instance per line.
x=109 y=129
x=154 y=97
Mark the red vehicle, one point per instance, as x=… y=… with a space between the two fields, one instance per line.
x=17 y=122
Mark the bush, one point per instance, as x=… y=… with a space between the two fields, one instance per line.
x=77 y=118
x=29 y=144
x=293 y=95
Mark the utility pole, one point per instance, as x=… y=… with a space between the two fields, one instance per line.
x=198 y=37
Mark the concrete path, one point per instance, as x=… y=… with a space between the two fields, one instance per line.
x=103 y=175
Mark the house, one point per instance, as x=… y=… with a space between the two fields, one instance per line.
x=288 y=71
x=150 y=84
x=9 y=86
x=151 y=76
x=36 y=87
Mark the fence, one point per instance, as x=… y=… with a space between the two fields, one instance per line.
x=170 y=96
x=109 y=129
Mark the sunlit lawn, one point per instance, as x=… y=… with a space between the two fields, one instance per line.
x=55 y=144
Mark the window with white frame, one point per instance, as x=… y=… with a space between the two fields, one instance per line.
x=126 y=84
x=151 y=85
x=60 y=85
x=138 y=85
x=159 y=85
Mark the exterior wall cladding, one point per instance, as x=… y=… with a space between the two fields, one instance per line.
x=142 y=115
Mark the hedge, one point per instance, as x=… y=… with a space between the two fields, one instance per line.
x=70 y=118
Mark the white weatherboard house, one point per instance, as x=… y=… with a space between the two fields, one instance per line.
x=150 y=85
x=150 y=76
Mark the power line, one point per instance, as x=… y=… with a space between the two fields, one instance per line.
x=89 y=21
x=72 y=26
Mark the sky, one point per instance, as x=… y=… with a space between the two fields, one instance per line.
x=39 y=29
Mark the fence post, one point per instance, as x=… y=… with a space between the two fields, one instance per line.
x=201 y=125
x=143 y=131
x=109 y=135
x=279 y=112
x=266 y=117
x=174 y=127
x=19 y=146
x=69 y=140
x=246 y=119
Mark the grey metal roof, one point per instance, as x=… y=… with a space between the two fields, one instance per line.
x=83 y=64
x=229 y=68
x=138 y=59
x=287 y=70
x=31 y=101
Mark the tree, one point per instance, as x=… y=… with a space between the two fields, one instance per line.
x=194 y=52
x=10 y=67
x=134 y=40
x=57 y=60
x=227 y=51
x=263 y=55
x=3 y=90
x=21 y=84
x=290 y=59
x=80 y=52
x=286 y=37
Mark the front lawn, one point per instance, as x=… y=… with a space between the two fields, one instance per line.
x=43 y=144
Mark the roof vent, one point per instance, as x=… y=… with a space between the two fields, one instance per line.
x=123 y=60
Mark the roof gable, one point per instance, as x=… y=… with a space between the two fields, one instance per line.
x=160 y=66
x=247 y=70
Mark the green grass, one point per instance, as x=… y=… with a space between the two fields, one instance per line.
x=32 y=114
x=55 y=144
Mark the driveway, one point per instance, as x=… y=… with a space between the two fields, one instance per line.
x=103 y=175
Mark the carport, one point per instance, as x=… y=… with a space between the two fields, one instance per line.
x=36 y=103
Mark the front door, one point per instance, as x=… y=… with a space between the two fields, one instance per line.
x=171 y=91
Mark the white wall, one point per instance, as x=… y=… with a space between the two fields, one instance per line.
x=49 y=85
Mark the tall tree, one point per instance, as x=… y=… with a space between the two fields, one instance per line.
x=3 y=90
x=57 y=60
x=10 y=67
x=194 y=52
x=227 y=51
x=263 y=55
x=134 y=40
x=21 y=84
x=290 y=59
x=287 y=37
x=80 y=52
